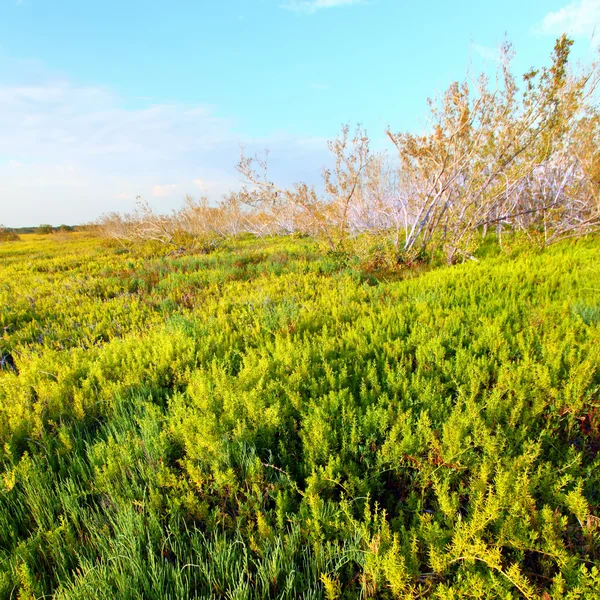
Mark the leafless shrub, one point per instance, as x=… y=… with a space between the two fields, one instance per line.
x=494 y=158
x=6 y=235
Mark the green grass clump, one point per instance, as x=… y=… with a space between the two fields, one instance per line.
x=590 y=315
x=268 y=420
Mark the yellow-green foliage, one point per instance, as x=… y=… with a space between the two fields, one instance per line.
x=268 y=421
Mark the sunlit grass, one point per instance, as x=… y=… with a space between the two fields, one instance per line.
x=272 y=421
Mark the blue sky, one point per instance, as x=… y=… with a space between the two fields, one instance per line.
x=103 y=101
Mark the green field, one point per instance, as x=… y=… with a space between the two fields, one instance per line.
x=271 y=420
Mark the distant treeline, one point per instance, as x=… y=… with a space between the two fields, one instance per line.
x=12 y=233
x=40 y=229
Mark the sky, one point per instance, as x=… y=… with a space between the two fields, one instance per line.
x=103 y=101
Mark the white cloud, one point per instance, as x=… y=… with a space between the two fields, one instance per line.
x=73 y=152
x=122 y=196
x=579 y=18
x=216 y=186
x=487 y=52
x=164 y=190
x=309 y=7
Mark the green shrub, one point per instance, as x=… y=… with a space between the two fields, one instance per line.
x=270 y=422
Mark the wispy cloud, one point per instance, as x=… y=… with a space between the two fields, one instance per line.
x=122 y=196
x=164 y=190
x=309 y=7
x=487 y=52
x=70 y=152
x=206 y=185
x=580 y=18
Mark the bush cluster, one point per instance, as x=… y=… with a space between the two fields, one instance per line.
x=269 y=421
x=498 y=157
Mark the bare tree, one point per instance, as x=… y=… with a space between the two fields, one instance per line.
x=325 y=215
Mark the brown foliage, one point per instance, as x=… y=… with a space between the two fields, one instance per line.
x=495 y=157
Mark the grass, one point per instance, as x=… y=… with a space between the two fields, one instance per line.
x=271 y=421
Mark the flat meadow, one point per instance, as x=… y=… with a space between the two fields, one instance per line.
x=270 y=419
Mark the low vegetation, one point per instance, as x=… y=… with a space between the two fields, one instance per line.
x=268 y=419
x=8 y=235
